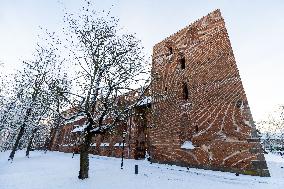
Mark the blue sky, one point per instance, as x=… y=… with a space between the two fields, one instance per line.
x=256 y=30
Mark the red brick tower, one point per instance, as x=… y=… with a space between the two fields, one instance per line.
x=201 y=114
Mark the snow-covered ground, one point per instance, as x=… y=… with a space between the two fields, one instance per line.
x=56 y=170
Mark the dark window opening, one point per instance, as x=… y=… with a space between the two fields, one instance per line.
x=185 y=91
x=182 y=63
x=166 y=89
x=196 y=129
x=170 y=50
x=239 y=103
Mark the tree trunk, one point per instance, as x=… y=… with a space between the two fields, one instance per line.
x=84 y=163
x=84 y=157
x=46 y=145
x=4 y=146
x=7 y=143
x=51 y=140
x=56 y=129
x=30 y=142
x=19 y=136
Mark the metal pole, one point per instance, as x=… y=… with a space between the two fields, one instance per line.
x=122 y=154
x=136 y=169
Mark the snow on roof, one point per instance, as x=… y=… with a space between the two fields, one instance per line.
x=187 y=145
x=67 y=145
x=108 y=144
x=75 y=119
x=146 y=100
x=79 y=128
x=98 y=128
x=118 y=144
x=104 y=144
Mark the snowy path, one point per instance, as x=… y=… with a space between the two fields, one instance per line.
x=56 y=170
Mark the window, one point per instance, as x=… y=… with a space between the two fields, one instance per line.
x=182 y=63
x=166 y=89
x=170 y=50
x=185 y=91
x=196 y=128
x=239 y=103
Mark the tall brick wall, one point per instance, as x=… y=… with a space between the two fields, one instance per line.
x=198 y=98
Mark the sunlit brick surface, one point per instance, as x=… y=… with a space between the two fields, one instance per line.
x=198 y=97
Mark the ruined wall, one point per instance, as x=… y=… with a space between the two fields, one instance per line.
x=109 y=144
x=201 y=113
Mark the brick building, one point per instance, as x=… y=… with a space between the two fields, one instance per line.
x=67 y=138
x=199 y=114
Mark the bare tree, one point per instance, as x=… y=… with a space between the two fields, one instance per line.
x=59 y=89
x=110 y=65
x=273 y=129
x=31 y=85
x=31 y=141
x=8 y=104
x=1 y=83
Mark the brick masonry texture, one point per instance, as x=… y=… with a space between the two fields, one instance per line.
x=109 y=144
x=198 y=98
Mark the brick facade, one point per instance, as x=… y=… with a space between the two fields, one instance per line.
x=109 y=144
x=197 y=99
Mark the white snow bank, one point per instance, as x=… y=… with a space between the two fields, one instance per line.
x=59 y=170
x=187 y=145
